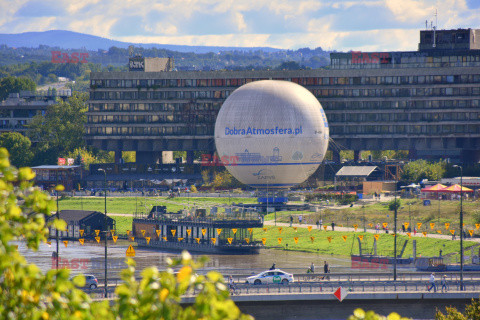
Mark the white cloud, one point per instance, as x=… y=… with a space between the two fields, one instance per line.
x=376 y=25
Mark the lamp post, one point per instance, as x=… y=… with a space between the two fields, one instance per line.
x=395 y=233
x=58 y=218
x=461 y=225
x=364 y=227
x=105 y=227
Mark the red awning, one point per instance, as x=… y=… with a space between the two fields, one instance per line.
x=456 y=189
x=436 y=188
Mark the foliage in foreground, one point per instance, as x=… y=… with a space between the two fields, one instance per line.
x=472 y=312
x=27 y=293
x=359 y=314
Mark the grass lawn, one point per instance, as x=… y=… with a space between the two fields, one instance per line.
x=131 y=205
x=337 y=246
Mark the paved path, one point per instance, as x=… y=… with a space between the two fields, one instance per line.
x=360 y=229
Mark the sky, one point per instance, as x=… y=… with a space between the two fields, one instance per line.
x=342 y=25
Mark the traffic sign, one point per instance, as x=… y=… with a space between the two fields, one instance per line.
x=130 y=252
x=340 y=293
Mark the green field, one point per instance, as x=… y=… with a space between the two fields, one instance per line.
x=131 y=205
x=425 y=246
x=375 y=212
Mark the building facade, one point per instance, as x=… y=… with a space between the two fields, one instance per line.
x=426 y=102
x=19 y=108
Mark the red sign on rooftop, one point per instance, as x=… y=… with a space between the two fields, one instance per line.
x=370 y=57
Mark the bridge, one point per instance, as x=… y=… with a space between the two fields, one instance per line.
x=311 y=295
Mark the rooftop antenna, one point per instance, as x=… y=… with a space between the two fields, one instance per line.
x=130 y=51
x=434 y=29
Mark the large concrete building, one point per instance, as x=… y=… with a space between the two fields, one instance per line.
x=425 y=101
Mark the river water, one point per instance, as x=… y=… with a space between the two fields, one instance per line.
x=89 y=259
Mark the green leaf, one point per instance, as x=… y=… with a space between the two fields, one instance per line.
x=60 y=224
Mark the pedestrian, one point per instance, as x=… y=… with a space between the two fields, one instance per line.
x=231 y=285
x=318 y=224
x=291 y=220
x=444 y=283
x=321 y=223
x=414 y=231
x=300 y=219
x=273 y=267
x=403 y=228
x=377 y=227
x=333 y=226
x=311 y=269
x=432 y=283
x=326 y=270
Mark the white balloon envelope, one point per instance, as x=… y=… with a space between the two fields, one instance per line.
x=271 y=134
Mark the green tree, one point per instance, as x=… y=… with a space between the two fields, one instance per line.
x=19 y=147
x=27 y=293
x=421 y=169
x=61 y=130
x=15 y=85
x=392 y=204
x=472 y=312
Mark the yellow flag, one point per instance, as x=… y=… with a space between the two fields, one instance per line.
x=309 y=228
x=419 y=225
x=204 y=231
x=229 y=240
x=409 y=235
x=98 y=239
x=439 y=231
x=49 y=243
x=325 y=228
x=328 y=238
x=452 y=231
x=247 y=240
x=264 y=240
x=295 y=229
x=148 y=239
x=219 y=231
x=198 y=240
x=65 y=242
x=477 y=225
x=371 y=225
x=180 y=239
x=143 y=233
x=173 y=231
x=385 y=224
x=189 y=231
x=447 y=225
x=234 y=231
x=295 y=239
x=250 y=230
x=355 y=226
x=214 y=240
x=82 y=231
x=132 y=238
x=264 y=229
x=82 y=241
x=158 y=232
x=128 y=232
x=112 y=232
x=424 y=233
x=279 y=230
x=432 y=225
x=164 y=238
x=344 y=238
x=360 y=237
x=376 y=236
x=393 y=234
x=406 y=224
x=115 y=239
x=279 y=240
x=97 y=232
x=471 y=232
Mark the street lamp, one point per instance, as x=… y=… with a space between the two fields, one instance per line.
x=58 y=218
x=105 y=227
x=395 y=233
x=461 y=225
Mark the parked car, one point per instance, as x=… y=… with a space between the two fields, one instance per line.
x=91 y=281
x=271 y=276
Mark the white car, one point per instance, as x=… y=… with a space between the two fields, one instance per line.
x=271 y=276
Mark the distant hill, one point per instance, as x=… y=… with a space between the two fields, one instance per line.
x=75 y=40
